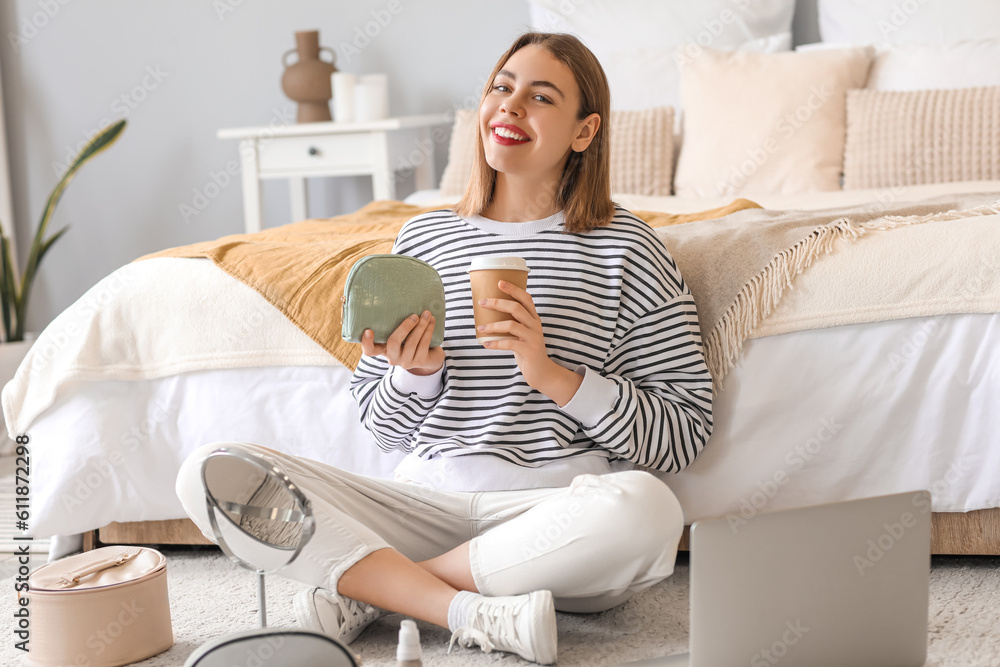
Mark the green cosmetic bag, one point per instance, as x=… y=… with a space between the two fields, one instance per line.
x=383 y=290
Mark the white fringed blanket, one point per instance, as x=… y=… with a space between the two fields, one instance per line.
x=941 y=257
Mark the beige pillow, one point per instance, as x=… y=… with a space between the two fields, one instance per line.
x=641 y=152
x=766 y=123
x=922 y=136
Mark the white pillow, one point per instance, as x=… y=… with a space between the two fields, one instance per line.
x=964 y=64
x=645 y=78
x=766 y=123
x=907 y=21
x=607 y=26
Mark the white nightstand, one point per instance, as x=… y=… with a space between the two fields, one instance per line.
x=377 y=148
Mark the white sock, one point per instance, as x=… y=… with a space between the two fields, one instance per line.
x=458 y=610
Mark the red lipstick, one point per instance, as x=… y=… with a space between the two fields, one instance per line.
x=508 y=141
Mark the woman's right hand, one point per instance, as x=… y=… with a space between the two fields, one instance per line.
x=409 y=346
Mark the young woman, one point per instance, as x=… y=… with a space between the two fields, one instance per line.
x=518 y=495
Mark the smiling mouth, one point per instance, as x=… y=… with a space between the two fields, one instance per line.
x=504 y=133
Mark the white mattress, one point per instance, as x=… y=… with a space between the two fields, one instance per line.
x=108 y=450
x=907 y=404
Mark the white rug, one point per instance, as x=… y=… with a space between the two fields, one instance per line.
x=210 y=596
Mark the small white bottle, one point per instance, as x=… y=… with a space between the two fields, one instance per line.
x=408 y=651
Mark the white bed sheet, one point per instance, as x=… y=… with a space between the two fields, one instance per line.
x=111 y=451
x=920 y=414
x=879 y=199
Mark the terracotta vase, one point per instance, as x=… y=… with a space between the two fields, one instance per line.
x=307 y=81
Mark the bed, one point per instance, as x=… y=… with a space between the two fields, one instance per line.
x=171 y=352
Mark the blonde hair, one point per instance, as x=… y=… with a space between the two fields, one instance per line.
x=584 y=193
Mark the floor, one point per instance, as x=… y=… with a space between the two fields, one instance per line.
x=211 y=597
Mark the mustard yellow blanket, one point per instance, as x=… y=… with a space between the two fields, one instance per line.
x=301 y=268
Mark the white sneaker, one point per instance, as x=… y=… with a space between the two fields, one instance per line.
x=342 y=618
x=522 y=624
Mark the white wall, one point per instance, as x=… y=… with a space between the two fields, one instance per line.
x=66 y=65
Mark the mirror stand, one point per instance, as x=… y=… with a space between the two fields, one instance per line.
x=261 y=520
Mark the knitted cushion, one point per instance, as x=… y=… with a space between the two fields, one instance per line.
x=923 y=136
x=642 y=152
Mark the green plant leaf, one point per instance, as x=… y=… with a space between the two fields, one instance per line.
x=39 y=244
x=8 y=295
x=4 y=302
x=100 y=142
x=52 y=239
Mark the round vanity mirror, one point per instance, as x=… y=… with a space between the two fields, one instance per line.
x=260 y=518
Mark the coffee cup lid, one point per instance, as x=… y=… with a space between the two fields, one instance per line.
x=504 y=263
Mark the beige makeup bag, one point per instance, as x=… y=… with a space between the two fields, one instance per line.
x=101 y=608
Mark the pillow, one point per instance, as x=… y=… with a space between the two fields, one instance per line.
x=907 y=21
x=928 y=136
x=461 y=150
x=607 y=26
x=640 y=43
x=645 y=78
x=641 y=152
x=964 y=64
x=759 y=123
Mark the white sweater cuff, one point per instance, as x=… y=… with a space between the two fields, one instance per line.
x=425 y=386
x=595 y=398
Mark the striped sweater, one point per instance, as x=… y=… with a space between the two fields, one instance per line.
x=614 y=309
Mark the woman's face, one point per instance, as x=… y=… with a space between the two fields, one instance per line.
x=528 y=119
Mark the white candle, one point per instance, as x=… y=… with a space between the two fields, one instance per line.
x=342 y=84
x=371 y=97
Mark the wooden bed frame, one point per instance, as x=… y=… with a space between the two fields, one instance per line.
x=952 y=533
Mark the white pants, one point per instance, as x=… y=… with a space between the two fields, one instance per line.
x=594 y=544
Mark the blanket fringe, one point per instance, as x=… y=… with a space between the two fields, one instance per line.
x=892 y=221
x=763 y=292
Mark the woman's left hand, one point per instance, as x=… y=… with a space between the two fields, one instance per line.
x=528 y=344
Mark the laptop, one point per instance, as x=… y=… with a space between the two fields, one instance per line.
x=831 y=585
